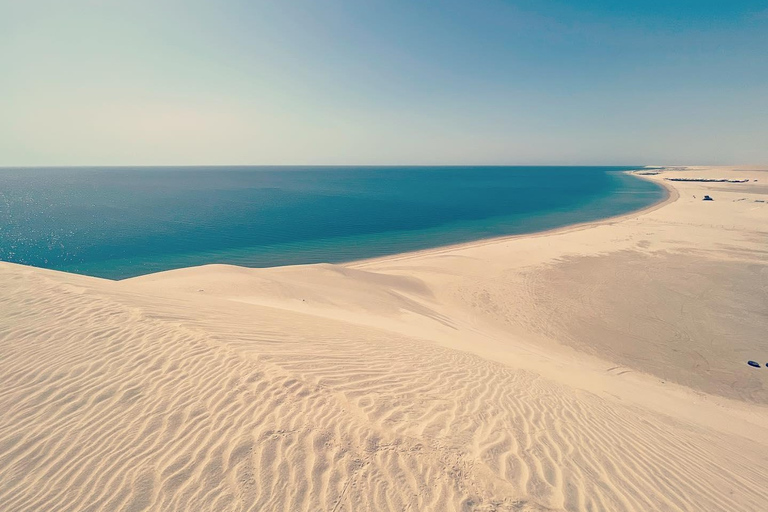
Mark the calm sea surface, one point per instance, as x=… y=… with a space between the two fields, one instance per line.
x=123 y=222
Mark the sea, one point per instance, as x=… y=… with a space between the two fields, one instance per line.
x=121 y=222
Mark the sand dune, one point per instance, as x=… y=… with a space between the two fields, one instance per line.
x=599 y=367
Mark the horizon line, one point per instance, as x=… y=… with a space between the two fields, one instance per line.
x=345 y=165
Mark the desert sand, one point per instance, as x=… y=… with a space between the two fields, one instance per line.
x=595 y=367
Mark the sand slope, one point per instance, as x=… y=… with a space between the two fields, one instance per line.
x=492 y=376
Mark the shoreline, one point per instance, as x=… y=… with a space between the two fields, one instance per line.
x=672 y=195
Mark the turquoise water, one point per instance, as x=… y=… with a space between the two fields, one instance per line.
x=122 y=222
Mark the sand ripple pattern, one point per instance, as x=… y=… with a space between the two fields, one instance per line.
x=115 y=401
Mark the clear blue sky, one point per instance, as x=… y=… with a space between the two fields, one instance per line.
x=142 y=82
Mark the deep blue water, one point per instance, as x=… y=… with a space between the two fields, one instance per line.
x=123 y=222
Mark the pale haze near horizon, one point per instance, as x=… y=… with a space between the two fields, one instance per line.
x=382 y=82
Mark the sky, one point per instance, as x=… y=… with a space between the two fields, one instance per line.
x=383 y=82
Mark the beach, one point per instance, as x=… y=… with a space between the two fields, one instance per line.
x=601 y=366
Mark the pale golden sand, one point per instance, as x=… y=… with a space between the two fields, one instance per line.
x=600 y=367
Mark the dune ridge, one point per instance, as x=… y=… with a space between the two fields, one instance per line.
x=494 y=376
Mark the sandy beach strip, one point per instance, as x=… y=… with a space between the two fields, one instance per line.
x=595 y=367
